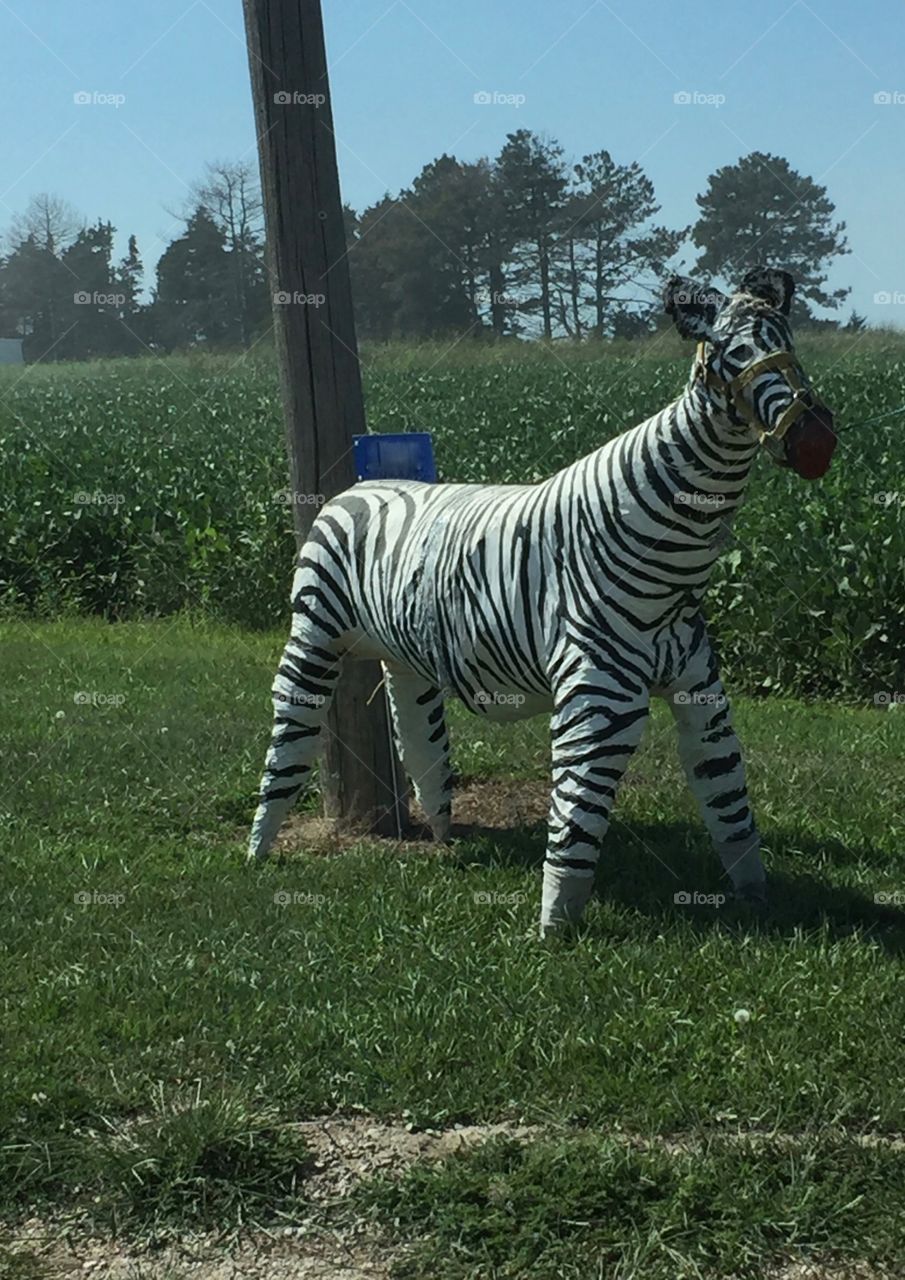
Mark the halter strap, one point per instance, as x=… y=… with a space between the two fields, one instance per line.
x=780 y=360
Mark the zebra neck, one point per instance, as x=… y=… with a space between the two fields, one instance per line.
x=645 y=517
x=703 y=450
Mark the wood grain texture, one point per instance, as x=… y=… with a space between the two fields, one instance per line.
x=318 y=357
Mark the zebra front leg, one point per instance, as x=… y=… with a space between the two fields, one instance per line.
x=419 y=725
x=594 y=732
x=711 y=756
x=302 y=690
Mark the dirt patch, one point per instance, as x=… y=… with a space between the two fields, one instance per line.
x=831 y=1271
x=500 y=804
x=45 y=1253
x=349 y=1149
x=295 y=1255
x=479 y=807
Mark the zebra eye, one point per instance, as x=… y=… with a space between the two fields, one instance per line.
x=742 y=352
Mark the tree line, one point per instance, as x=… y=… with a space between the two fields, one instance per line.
x=526 y=244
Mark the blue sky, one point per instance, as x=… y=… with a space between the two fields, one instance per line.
x=797 y=78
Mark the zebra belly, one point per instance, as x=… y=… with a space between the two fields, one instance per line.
x=498 y=705
x=361 y=647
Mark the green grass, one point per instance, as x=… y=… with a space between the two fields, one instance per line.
x=140 y=488
x=557 y=1210
x=196 y=1161
x=166 y=1013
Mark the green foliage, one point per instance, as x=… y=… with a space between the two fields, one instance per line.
x=761 y=210
x=140 y=488
x=60 y=287
x=609 y=207
x=522 y=243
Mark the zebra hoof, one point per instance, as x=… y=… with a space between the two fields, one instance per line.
x=441 y=830
x=751 y=897
x=561 y=934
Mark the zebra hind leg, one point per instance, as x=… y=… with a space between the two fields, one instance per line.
x=711 y=756
x=302 y=691
x=419 y=726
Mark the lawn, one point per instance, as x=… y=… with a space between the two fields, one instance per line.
x=170 y=1017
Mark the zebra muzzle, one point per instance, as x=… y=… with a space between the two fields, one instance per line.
x=810 y=443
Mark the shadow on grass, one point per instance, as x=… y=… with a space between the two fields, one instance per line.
x=644 y=866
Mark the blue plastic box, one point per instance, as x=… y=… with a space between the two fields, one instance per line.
x=407 y=455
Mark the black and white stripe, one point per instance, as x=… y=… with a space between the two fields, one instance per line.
x=580 y=596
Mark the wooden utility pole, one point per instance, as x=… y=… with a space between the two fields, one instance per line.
x=318 y=356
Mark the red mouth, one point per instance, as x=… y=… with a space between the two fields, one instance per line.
x=810 y=443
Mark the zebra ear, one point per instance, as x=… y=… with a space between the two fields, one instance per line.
x=693 y=307
x=771 y=286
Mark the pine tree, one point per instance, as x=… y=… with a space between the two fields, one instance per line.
x=761 y=210
x=533 y=186
x=192 y=301
x=608 y=214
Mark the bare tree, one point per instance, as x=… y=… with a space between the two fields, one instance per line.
x=35 y=267
x=230 y=194
x=49 y=220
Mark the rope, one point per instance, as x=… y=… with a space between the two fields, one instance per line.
x=867 y=422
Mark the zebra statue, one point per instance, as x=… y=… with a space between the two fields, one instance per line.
x=579 y=596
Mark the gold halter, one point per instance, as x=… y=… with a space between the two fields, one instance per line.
x=783 y=360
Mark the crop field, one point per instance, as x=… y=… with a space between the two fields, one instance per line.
x=148 y=487
x=357 y=1060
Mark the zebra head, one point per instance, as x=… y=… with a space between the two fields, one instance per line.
x=746 y=362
